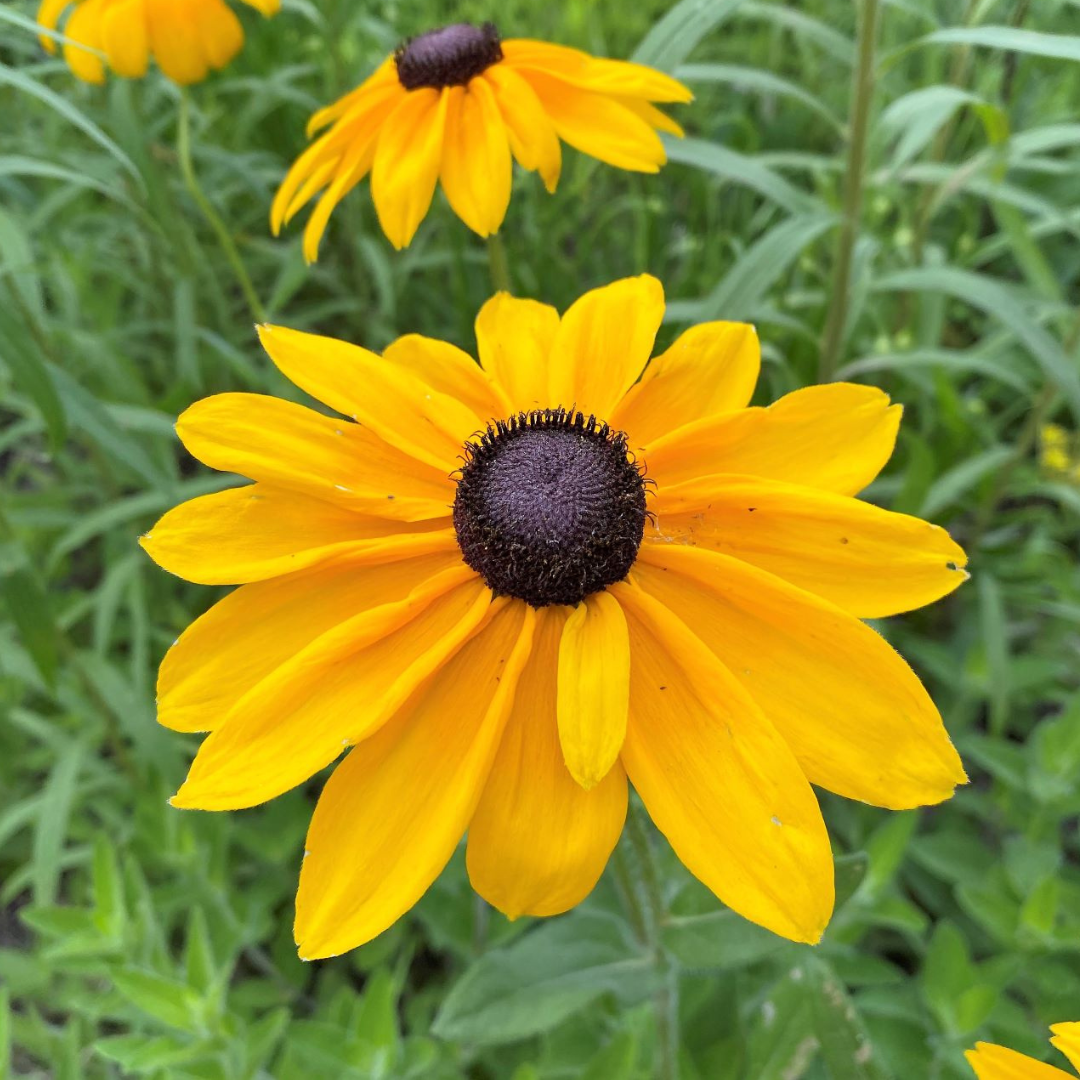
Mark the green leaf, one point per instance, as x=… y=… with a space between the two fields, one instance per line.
x=850 y=873
x=845 y=1044
x=57 y=799
x=720 y=939
x=539 y=981
x=677 y=34
x=916 y=117
x=755 y=272
x=761 y=82
x=28 y=605
x=1010 y=38
x=990 y=296
x=61 y=105
x=740 y=169
x=167 y=1000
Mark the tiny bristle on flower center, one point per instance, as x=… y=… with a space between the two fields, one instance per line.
x=449 y=56
x=550 y=506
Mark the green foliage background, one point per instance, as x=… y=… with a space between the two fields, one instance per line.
x=136 y=940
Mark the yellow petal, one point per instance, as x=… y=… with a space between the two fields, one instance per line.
x=538 y=842
x=476 y=166
x=83 y=29
x=1067 y=1040
x=393 y=812
x=359 y=128
x=336 y=691
x=256 y=532
x=354 y=165
x=384 y=76
x=837 y=437
x=407 y=161
x=288 y=445
x=267 y=7
x=593 y=687
x=992 y=1062
x=257 y=628
x=174 y=40
x=719 y=782
x=595 y=73
x=390 y=400
x=652 y=116
x=530 y=132
x=869 y=561
x=448 y=370
x=598 y=126
x=710 y=369
x=126 y=38
x=602 y=344
x=220 y=32
x=854 y=714
x=48 y=16
x=514 y=338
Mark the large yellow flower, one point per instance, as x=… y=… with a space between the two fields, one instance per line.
x=452 y=106
x=187 y=38
x=513 y=586
x=992 y=1062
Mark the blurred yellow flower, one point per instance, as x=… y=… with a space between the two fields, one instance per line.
x=992 y=1062
x=467 y=585
x=1056 y=451
x=454 y=105
x=187 y=38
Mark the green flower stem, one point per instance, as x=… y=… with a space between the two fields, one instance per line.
x=861 y=94
x=187 y=169
x=498 y=263
x=643 y=898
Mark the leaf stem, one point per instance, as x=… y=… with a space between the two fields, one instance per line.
x=187 y=170
x=498 y=264
x=862 y=90
x=643 y=898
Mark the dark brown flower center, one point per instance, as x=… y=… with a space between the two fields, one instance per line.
x=549 y=507
x=449 y=56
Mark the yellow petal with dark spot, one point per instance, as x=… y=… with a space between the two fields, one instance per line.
x=719 y=781
x=854 y=714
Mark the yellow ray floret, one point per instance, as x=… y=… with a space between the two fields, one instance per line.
x=456 y=106
x=187 y=38
x=511 y=588
x=992 y=1062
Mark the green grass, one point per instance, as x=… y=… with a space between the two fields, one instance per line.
x=136 y=940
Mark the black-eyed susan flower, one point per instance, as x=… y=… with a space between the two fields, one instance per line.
x=508 y=589
x=992 y=1062
x=454 y=106
x=187 y=38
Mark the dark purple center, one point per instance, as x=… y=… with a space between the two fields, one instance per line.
x=449 y=56
x=549 y=507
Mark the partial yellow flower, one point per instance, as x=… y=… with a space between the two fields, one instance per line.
x=510 y=587
x=187 y=38
x=992 y=1062
x=453 y=106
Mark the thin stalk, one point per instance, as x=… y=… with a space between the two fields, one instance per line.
x=647 y=912
x=498 y=263
x=187 y=169
x=862 y=89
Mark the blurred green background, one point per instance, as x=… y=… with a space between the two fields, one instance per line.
x=136 y=940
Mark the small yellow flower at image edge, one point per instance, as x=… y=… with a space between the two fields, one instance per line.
x=992 y=1062
x=187 y=38
x=456 y=106
x=509 y=589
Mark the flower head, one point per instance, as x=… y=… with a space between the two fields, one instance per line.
x=454 y=106
x=992 y=1062
x=510 y=587
x=187 y=38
